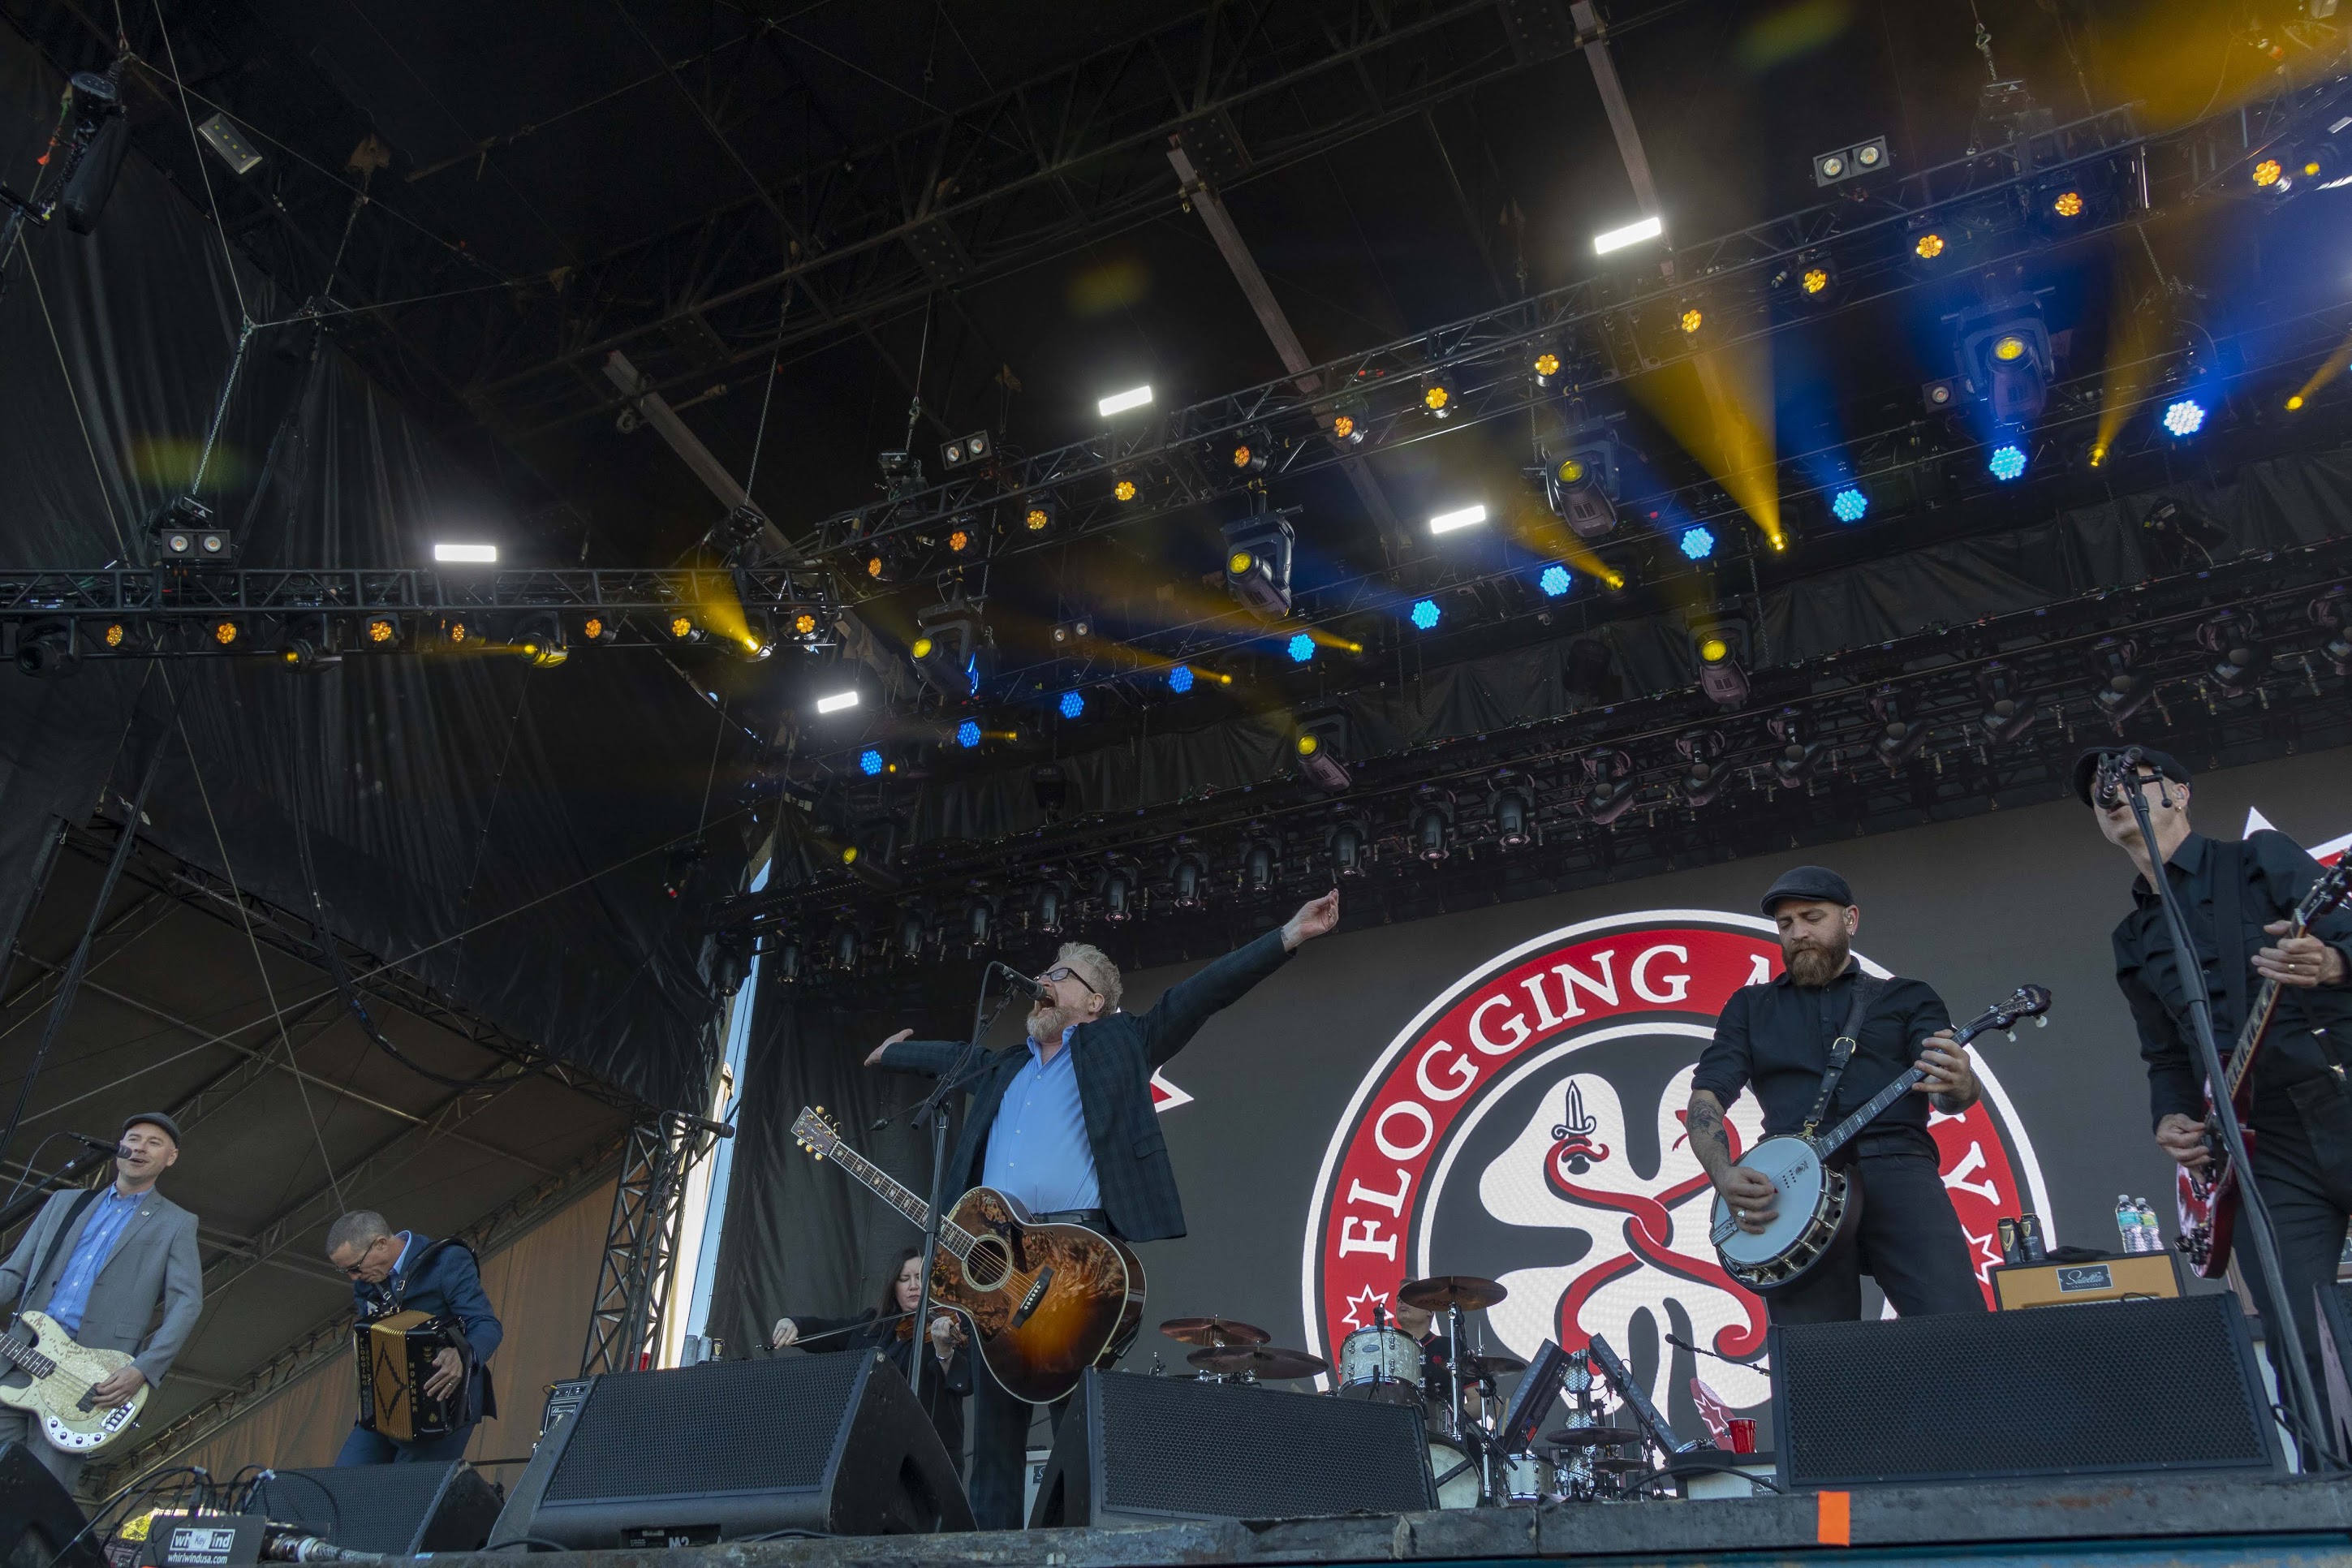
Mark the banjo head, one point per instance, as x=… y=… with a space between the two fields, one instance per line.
x=1795 y=1170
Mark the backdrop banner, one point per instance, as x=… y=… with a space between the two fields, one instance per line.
x=1499 y=1091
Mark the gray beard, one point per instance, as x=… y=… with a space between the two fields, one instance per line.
x=1814 y=967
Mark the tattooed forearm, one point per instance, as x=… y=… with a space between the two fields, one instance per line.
x=1951 y=1104
x=1703 y=1122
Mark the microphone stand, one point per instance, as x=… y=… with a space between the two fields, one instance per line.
x=2121 y=771
x=935 y=1106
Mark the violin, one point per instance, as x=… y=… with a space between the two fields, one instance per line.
x=956 y=1335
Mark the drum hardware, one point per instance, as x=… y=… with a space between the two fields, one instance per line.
x=1488 y=1365
x=1591 y=1437
x=1214 y=1332
x=1447 y=1292
x=1455 y=1294
x=1619 y=1464
x=1257 y=1363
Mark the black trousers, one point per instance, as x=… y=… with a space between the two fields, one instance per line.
x=1000 y=1424
x=1909 y=1241
x=2302 y=1166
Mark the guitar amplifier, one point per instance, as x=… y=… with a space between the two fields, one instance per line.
x=395 y=1358
x=2130 y=1277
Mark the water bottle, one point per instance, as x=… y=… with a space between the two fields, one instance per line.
x=2128 y=1221
x=2148 y=1226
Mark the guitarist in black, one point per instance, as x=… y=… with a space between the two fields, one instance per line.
x=1774 y=1040
x=1065 y=1126
x=2236 y=899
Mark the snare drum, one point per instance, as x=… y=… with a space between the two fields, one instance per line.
x=1532 y=1477
x=1455 y=1472
x=1381 y=1363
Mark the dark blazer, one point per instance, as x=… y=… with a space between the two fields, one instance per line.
x=442 y=1279
x=944 y=1388
x=1115 y=1057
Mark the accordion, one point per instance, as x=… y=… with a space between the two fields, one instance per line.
x=396 y=1358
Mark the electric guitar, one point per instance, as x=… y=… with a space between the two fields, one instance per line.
x=1818 y=1206
x=63 y=1373
x=2209 y=1196
x=1044 y=1301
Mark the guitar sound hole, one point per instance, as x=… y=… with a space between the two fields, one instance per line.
x=988 y=1263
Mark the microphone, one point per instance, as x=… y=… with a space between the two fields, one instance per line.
x=107 y=1145
x=2111 y=774
x=1016 y=981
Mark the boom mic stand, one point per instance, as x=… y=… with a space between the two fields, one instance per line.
x=2120 y=773
x=935 y=1106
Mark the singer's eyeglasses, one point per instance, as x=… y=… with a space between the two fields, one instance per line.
x=1066 y=973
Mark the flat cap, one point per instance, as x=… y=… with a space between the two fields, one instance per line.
x=1814 y=884
x=2086 y=766
x=152 y=1118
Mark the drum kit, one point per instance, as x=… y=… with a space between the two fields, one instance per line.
x=1583 y=1461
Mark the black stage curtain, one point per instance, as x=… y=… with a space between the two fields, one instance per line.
x=498 y=831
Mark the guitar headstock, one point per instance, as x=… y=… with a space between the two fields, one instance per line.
x=2025 y=1001
x=2334 y=883
x=818 y=1134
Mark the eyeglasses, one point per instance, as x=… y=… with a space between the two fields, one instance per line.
x=353 y=1270
x=1066 y=973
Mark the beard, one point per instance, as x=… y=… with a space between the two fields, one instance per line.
x=1813 y=966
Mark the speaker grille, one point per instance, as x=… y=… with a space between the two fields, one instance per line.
x=374 y=1507
x=2097 y=1387
x=1172 y=1446
x=749 y=1425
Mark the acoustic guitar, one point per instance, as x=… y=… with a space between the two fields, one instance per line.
x=63 y=1373
x=1043 y=1301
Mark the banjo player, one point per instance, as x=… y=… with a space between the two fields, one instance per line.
x=1774 y=1039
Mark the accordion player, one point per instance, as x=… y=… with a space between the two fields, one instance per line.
x=394 y=1354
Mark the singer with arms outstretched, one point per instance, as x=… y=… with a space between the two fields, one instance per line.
x=1065 y=1126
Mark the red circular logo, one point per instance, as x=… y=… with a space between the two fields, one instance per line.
x=1527 y=1127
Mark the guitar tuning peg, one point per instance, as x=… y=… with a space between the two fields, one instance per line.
x=2040 y=1022
x=2012 y=1036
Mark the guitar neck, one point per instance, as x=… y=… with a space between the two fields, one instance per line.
x=1837 y=1137
x=2250 y=1034
x=24 y=1356
x=895 y=1192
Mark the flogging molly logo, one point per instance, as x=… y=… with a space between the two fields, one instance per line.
x=1527 y=1126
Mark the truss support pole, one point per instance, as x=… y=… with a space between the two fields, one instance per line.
x=633 y=1281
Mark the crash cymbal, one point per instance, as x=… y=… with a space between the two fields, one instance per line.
x=1440 y=1291
x=1259 y=1360
x=1214 y=1332
x=1591 y=1437
x=1494 y=1364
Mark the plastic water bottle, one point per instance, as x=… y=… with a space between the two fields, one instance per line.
x=2128 y=1221
x=2149 y=1228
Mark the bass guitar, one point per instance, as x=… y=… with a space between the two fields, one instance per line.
x=2209 y=1195
x=63 y=1373
x=1044 y=1301
x=1819 y=1207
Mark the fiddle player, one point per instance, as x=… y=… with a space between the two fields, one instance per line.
x=889 y=1328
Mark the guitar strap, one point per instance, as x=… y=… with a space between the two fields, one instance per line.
x=1866 y=991
x=2236 y=964
x=57 y=1239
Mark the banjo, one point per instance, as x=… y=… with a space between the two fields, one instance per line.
x=1818 y=1206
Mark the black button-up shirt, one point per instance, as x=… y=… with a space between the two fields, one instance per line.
x=2277 y=874
x=1774 y=1038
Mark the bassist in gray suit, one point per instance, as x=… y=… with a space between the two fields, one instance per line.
x=118 y=1270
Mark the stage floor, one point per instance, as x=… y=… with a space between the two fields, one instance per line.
x=2085 y=1523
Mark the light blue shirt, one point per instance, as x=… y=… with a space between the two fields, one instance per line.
x=1037 y=1149
x=101 y=1228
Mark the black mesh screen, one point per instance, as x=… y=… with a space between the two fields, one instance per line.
x=375 y=1507
x=1176 y=1446
x=722 y=1426
x=2095 y=1386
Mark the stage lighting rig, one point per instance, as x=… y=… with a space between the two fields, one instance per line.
x=2238 y=657
x=1115 y=886
x=1320 y=748
x=1039 y=514
x=783 y=963
x=1811 y=279
x=946 y=651
x=2332 y=611
x=47 y=648
x=1512 y=804
x=1438 y=397
x=1722 y=647
x=1581 y=484
x=1188 y=879
x=1049 y=908
x=1349 y=845
x=539 y=638
x=2010 y=709
x=1432 y=824
x=2123 y=690
x=902 y=474
x=913 y=931
x=2005 y=359
x=1258 y=552
x=1351 y=420
x=185 y=534
x=1252 y=450
x=1545 y=363
x=1900 y=736
x=1261 y=865
x=1704 y=775
x=976 y=448
x=1835 y=168
x=1799 y=758
x=1068 y=634
x=1609 y=784
x=307 y=643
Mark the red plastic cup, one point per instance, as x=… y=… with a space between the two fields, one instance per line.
x=1743 y=1435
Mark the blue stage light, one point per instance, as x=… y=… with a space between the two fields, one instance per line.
x=1697 y=541
x=1179 y=679
x=2184 y=417
x=968 y=733
x=2007 y=461
x=1849 y=504
x=1424 y=613
x=1554 y=581
x=1072 y=704
x=869 y=762
x=1302 y=648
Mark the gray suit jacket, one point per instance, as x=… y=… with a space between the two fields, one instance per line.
x=147 y=1298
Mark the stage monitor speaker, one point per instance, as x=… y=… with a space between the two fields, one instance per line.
x=2100 y=1388
x=733 y=1450
x=397 y=1509
x=38 y=1517
x=2333 y=1301
x=1134 y=1447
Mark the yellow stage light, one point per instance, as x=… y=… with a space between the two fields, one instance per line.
x=874 y=567
x=1815 y=279
x=1308 y=745
x=2267 y=172
x=225 y=632
x=1242 y=455
x=1572 y=470
x=1239 y=561
x=1692 y=321
x=1036 y=519
x=114 y=634
x=960 y=541
x=1342 y=427
x=1435 y=397
x=2098 y=456
x=1713 y=650
x=1546 y=363
x=2068 y=205
x=1928 y=246
x=1124 y=490
x=681 y=627
x=849 y=854
x=380 y=629
x=803 y=624
x=2295 y=402
x=2009 y=348
x=922 y=649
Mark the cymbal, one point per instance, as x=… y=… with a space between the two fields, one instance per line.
x=1494 y=1364
x=1214 y=1331
x=1591 y=1437
x=1260 y=1361
x=1621 y=1466
x=1440 y=1291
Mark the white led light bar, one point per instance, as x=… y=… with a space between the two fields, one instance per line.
x=1631 y=234
x=480 y=554
x=1447 y=522
x=1121 y=402
x=836 y=702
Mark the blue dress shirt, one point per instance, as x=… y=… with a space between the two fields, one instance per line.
x=1037 y=1149
x=101 y=1228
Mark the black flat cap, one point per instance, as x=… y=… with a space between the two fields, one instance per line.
x=1814 y=884
x=2087 y=764
x=152 y=1118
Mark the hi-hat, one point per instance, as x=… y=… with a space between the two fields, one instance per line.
x=1214 y=1331
x=1441 y=1291
x=1493 y=1363
x=1259 y=1360
x=1591 y=1437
